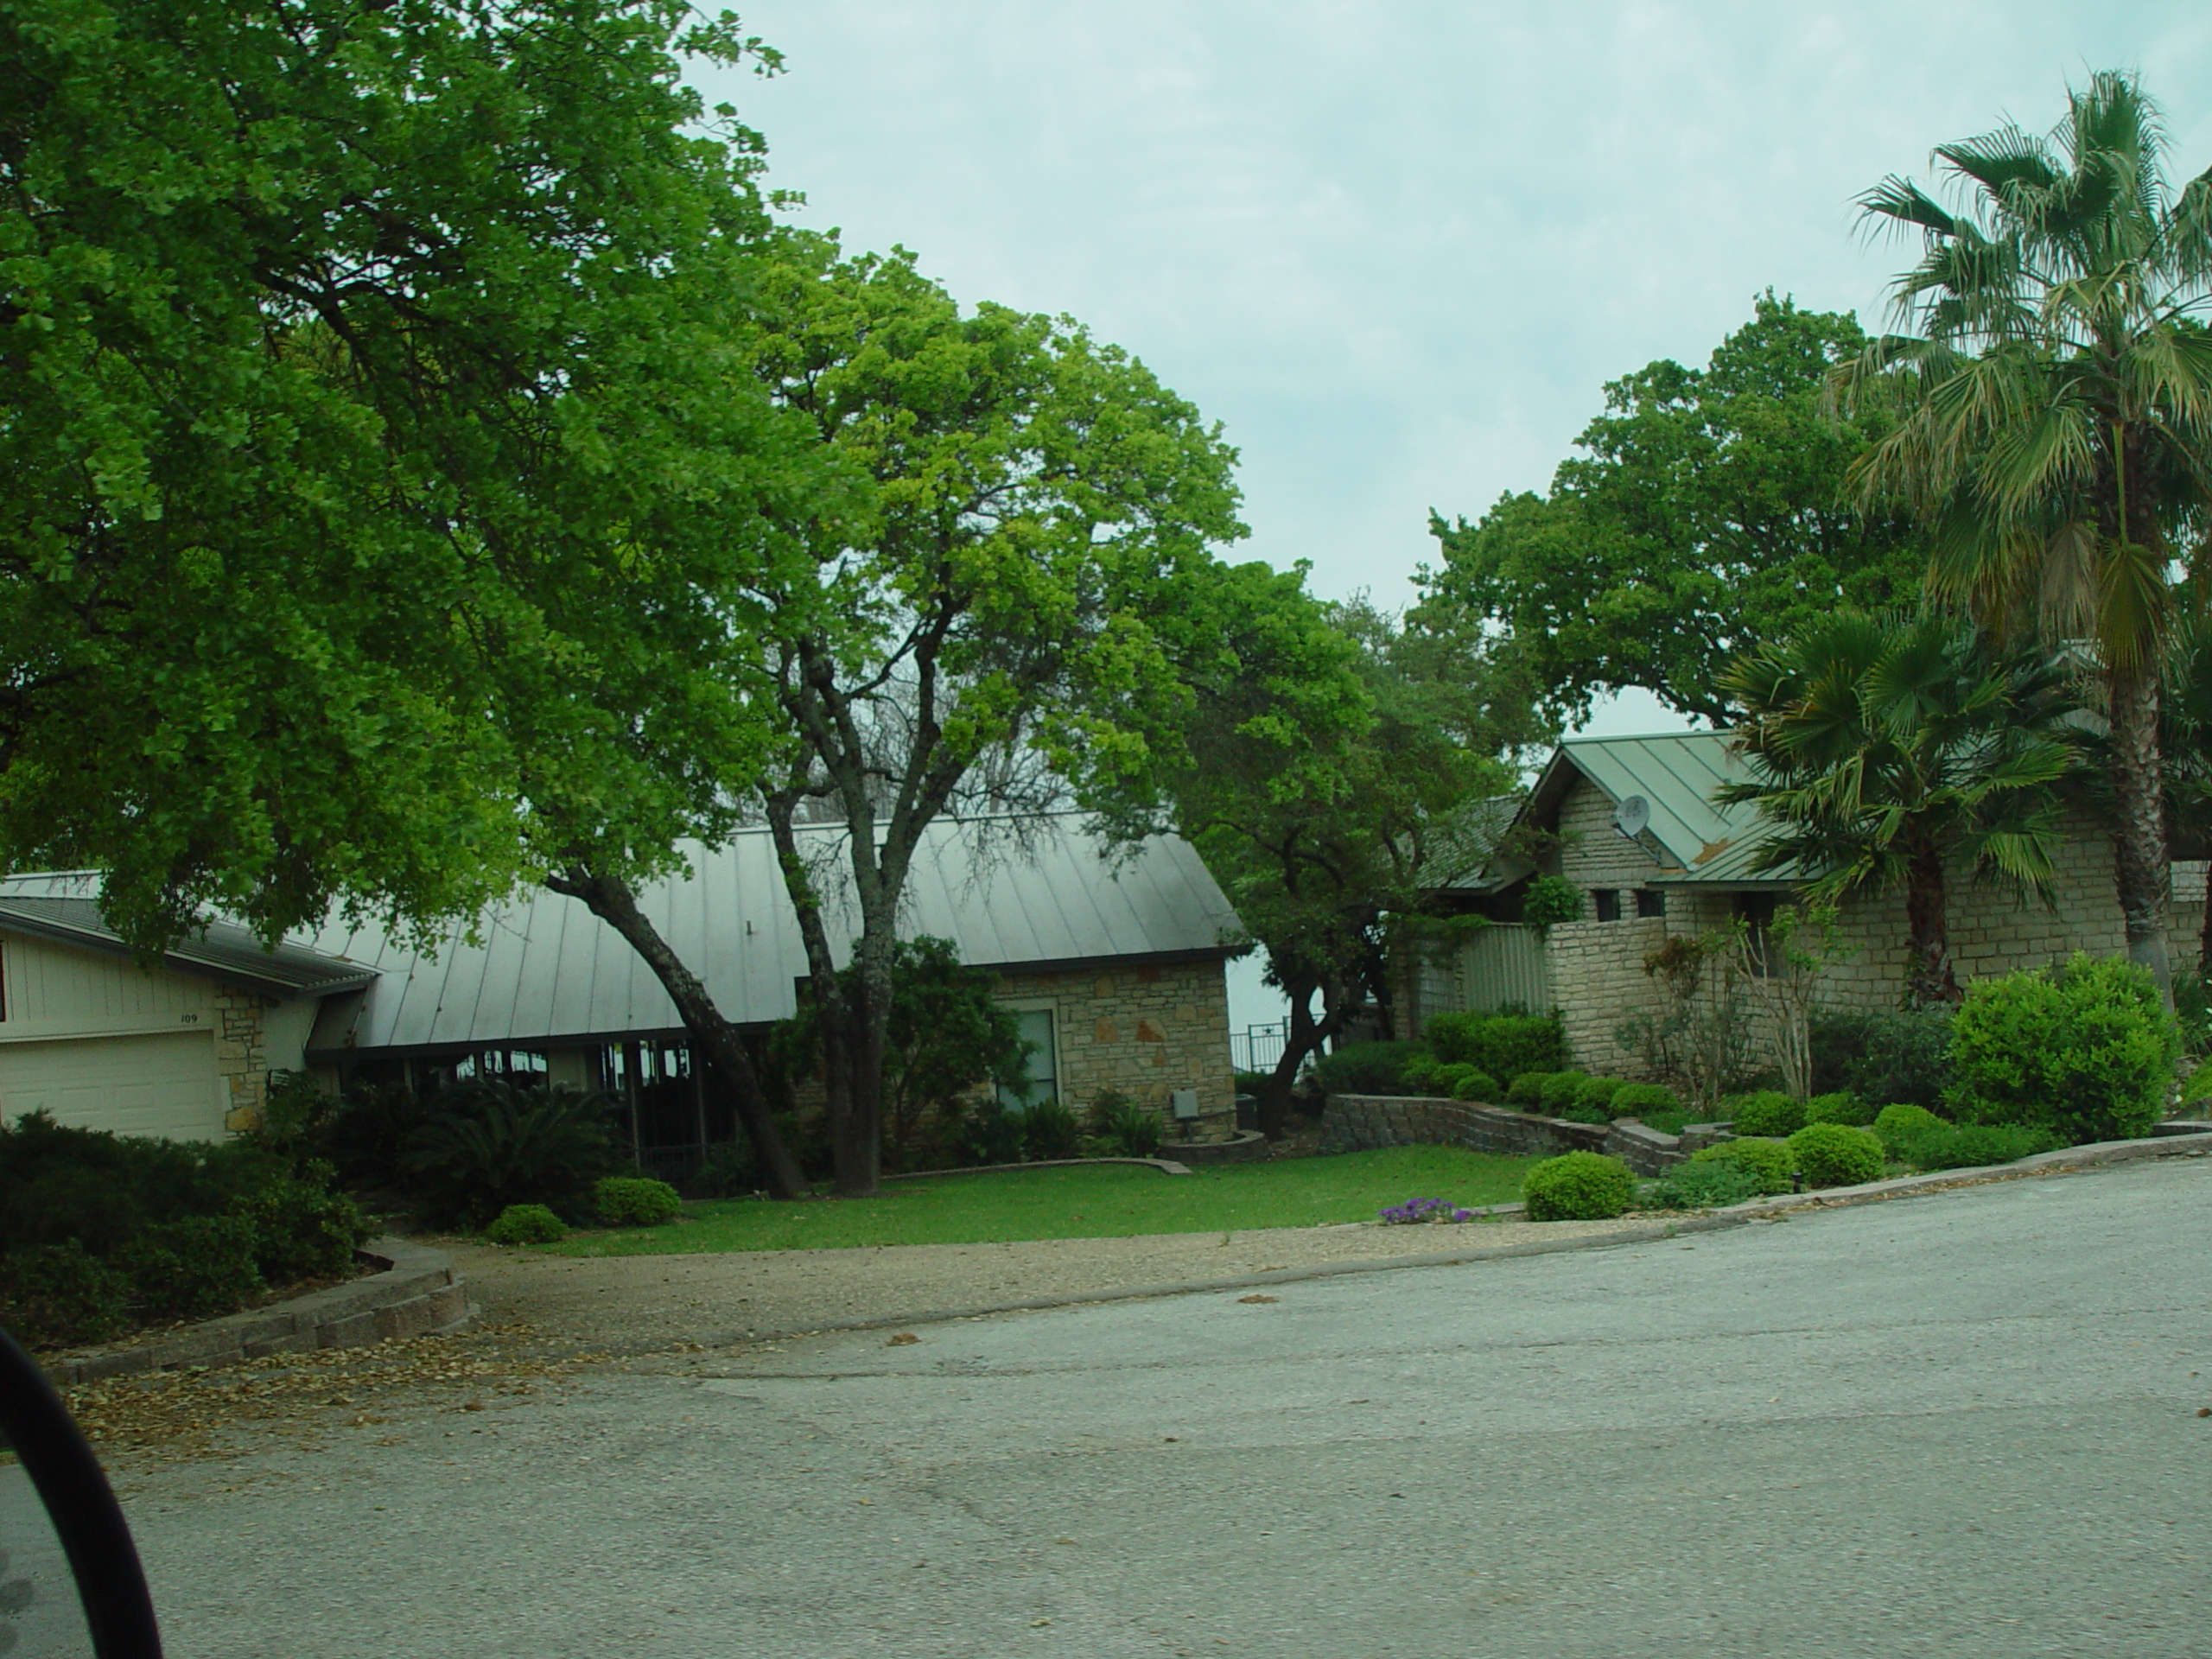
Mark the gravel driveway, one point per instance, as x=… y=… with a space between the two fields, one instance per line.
x=626 y=1304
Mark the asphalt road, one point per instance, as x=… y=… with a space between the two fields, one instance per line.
x=1963 y=1425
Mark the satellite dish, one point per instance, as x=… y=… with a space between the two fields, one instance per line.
x=1632 y=816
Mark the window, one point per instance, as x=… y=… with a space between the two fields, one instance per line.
x=1757 y=910
x=1650 y=901
x=1041 y=1073
x=1608 y=901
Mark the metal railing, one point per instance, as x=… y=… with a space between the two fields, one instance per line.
x=1258 y=1048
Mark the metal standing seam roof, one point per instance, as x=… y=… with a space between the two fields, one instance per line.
x=543 y=967
x=1677 y=773
x=65 y=908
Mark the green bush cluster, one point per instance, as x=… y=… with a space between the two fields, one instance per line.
x=1599 y=1092
x=1120 y=1129
x=1560 y=1091
x=1367 y=1068
x=526 y=1224
x=1970 y=1146
x=1503 y=1045
x=1767 y=1113
x=1578 y=1186
x=1839 y=1106
x=1895 y=1056
x=1836 y=1154
x=1770 y=1163
x=1472 y=1082
x=2085 y=1053
x=635 y=1201
x=1527 y=1090
x=1050 y=1131
x=1708 y=1186
x=1901 y=1124
x=99 y=1231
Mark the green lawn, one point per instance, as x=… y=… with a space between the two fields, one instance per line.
x=1108 y=1201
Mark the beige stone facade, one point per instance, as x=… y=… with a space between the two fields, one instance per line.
x=1596 y=967
x=241 y=1057
x=1144 y=1028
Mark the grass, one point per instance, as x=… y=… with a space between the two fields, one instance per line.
x=1110 y=1201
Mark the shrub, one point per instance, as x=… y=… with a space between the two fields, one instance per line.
x=1550 y=901
x=190 y=1270
x=987 y=1133
x=1050 y=1130
x=56 y=1295
x=1424 y=1074
x=2087 y=1053
x=1587 y=1114
x=491 y=1145
x=1883 y=1056
x=1839 y=1106
x=1504 y=1045
x=1899 y=1125
x=635 y=1201
x=301 y=1230
x=367 y=1133
x=1969 y=1146
x=1768 y=1112
x=1578 y=1186
x=1528 y=1088
x=1560 y=1090
x=1472 y=1082
x=1708 y=1186
x=1770 y=1163
x=526 y=1224
x=1641 y=1100
x=1118 y=1122
x=1836 y=1154
x=2193 y=1009
x=1599 y=1092
x=1366 y=1068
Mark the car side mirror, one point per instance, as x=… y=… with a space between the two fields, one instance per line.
x=71 y=1586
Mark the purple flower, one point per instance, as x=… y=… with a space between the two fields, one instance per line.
x=1414 y=1211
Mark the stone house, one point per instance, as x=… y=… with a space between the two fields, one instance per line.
x=1630 y=821
x=1114 y=968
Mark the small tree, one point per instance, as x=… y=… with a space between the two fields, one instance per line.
x=1782 y=965
x=1702 y=1041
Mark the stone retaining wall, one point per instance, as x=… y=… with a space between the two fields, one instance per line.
x=1357 y=1122
x=417 y=1294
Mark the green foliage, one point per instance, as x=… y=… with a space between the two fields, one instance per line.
x=987 y=1133
x=1885 y=1056
x=489 y=1145
x=302 y=1228
x=1050 y=1130
x=1577 y=1113
x=526 y=1224
x=1708 y=1186
x=2193 y=992
x=1770 y=1163
x=1560 y=1090
x=1645 y=1101
x=1900 y=1125
x=1600 y=1093
x=1836 y=1154
x=1423 y=1074
x=1472 y=1082
x=2199 y=1084
x=1839 y=1106
x=1888 y=747
x=1528 y=1088
x=1578 y=1186
x=1768 y=1112
x=1705 y=517
x=1504 y=1045
x=57 y=1295
x=1550 y=901
x=1123 y=1125
x=1971 y=1146
x=368 y=1131
x=1366 y=1068
x=634 y=1201
x=190 y=1270
x=2088 y=1054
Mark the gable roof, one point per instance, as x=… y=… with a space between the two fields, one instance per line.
x=1697 y=842
x=64 y=907
x=1035 y=894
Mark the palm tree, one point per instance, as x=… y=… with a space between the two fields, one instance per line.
x=2054 y=396
x=1885 y=749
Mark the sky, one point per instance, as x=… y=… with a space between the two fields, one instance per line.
x=1398 y=249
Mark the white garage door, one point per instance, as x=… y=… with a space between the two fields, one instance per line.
x=163 y=1085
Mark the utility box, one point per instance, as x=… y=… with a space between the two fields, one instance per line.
x=1183 y=1102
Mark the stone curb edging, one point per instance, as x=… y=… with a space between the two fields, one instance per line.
x=2189 y=1145
x=417 y=1294
x=1164 y=1165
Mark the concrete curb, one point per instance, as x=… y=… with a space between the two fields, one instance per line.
x=2065 y=1161
x=417 y=1294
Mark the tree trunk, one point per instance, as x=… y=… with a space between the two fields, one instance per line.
x=1305 y=1036
x=1929 y=982
x=2140 y=866
x=613 y=902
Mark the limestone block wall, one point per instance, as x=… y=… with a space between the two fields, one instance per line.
x=1144 y=1029
x=1360 y=1123
x=242 y=1056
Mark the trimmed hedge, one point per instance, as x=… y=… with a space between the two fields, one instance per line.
x=1560 y=1090
x=1504 y=1045
x=1708 y=1186
x=526 y=1224
x=1901 y=1124
x=1970 y=1146
x=1839 y=1107
x=1599 y=1092
x=1528 y=1088
x=1472 y=1082
x=1768 y=1112
x=1836 y=1154
x=1639 y=1100
x=2087 y=1053
x=1770 y=1163
x=638 y=1201
x=1578 y=1186
x=1366 y=1068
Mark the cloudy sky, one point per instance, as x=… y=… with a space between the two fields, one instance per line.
x=1396 y=248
